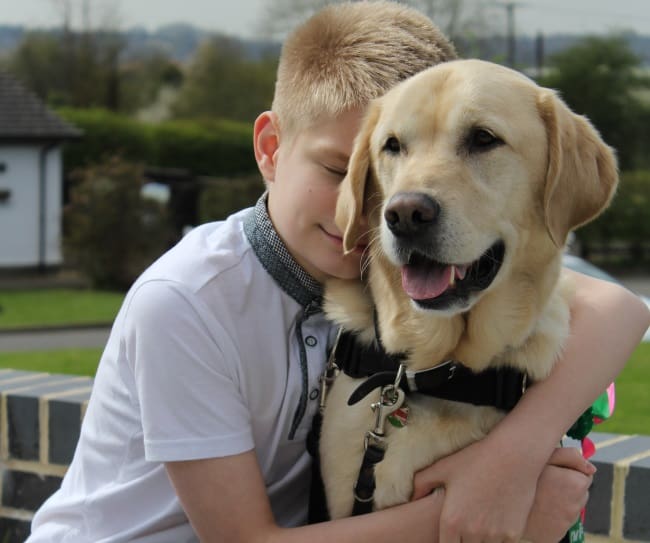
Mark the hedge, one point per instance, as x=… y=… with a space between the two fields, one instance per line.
x=623 y=229
x=212 y=148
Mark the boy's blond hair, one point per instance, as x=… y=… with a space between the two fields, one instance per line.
x=347 y=54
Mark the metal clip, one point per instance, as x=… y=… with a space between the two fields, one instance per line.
x=390 y=399
x=331 y=371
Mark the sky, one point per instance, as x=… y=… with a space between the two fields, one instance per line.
x=244 y=17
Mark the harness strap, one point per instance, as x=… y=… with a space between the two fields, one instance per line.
x=364 y=489
x=499 y=387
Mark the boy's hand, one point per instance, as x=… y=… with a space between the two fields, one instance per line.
x=489 y=499
x=562 y=491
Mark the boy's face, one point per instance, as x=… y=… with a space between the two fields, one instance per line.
x=303 y=189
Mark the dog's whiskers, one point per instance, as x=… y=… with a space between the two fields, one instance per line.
x=366 y=257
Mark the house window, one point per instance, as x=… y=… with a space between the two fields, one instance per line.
x=3 y=167
x=4 y=195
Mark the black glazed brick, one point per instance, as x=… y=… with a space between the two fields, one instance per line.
x=636 y=524
x=598 y=512
x=13 y=530
x=23 y=427
x=23 y=490
x=64 y=428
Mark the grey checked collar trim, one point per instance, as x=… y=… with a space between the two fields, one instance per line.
x=276 y=259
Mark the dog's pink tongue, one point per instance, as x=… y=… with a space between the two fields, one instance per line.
x=426 y=282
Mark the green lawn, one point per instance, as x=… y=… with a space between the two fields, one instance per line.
x=632 y=414
x=68 y=361
x=46 y=307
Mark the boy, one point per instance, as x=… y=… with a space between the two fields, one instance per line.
x=204 y=395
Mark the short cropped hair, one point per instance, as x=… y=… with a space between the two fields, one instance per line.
x=349 y=53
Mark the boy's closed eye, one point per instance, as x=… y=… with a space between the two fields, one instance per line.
x=338 y=172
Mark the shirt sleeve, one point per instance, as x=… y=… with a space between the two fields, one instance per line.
x=186 y=374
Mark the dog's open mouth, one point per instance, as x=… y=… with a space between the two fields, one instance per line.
x=437 y=285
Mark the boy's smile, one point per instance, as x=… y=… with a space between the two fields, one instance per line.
x=303 y=175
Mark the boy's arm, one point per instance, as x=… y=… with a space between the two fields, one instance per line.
x=490 y=485
x=225 y=500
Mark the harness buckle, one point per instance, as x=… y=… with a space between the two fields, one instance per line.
x=390 y=399
x=358 y=498
x=372 y=439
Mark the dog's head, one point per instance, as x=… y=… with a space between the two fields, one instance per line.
x=466 y=172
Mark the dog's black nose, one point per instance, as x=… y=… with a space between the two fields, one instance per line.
x=409 y=213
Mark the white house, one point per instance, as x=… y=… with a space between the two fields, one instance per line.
x=31 y=189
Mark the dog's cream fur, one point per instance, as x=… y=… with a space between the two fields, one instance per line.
x=551 y=174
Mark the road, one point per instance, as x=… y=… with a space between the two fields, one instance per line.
x=45 y=340
x=96 y=336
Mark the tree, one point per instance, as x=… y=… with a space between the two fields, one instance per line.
x=454 y=17
x=223 y=82
x=37 y=63
x=73 y=67
x=600 y=78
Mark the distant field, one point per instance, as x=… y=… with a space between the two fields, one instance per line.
x=48 y=307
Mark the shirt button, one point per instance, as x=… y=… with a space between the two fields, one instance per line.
x=314 y=394
x=311 y=341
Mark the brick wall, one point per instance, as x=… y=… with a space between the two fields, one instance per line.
x=40 y=419
x=619 y=500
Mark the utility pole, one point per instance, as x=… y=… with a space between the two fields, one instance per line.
x=511 y=38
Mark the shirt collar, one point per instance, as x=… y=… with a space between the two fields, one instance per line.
x=276 y=259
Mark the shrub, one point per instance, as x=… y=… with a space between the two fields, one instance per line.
x=106 y=134
x=625 y=224
x=112 y=233
x=213 y=148
x=216 y=148
x=222 y=197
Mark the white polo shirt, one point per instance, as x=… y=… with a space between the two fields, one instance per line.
x=216 y=350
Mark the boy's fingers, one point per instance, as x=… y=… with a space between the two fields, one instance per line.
x=571 y=457
x=426 y=481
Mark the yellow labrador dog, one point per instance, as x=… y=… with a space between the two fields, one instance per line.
x=471 y=177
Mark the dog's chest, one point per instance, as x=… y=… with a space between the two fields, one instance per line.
x=433 y=428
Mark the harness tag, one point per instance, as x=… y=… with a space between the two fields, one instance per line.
x=399 y=417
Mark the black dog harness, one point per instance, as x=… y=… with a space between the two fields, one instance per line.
x=500 y=387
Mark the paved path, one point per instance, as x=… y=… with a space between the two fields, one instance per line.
x=44 y=340
x=96 y=336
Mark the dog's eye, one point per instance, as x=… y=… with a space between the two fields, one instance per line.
x=392 y=145
x=482 y=139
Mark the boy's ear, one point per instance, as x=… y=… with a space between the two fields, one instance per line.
x=266 y=141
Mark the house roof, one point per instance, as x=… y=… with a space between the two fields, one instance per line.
x=24 y=117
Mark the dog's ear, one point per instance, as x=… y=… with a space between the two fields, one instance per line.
x=582 y=172
x=358 y=185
